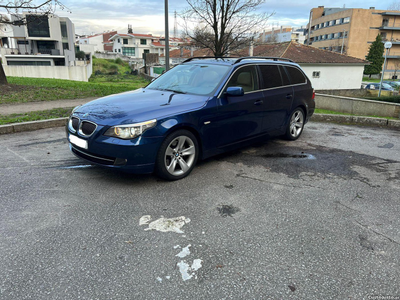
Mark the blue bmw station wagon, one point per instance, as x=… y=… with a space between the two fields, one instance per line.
x=200 y=108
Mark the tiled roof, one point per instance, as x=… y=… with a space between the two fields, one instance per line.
x=300 y=53
x=186 y=53
x=157 y=44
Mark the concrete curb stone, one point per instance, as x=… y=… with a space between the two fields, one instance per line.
x=33 y=125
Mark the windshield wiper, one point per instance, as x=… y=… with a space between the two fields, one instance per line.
x=174 y=91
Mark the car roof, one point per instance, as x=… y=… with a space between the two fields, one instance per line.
x=238 y=60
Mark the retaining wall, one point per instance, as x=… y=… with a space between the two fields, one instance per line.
x=357 y=106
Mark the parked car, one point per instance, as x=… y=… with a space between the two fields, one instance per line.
x=200 y=108
x=394 y=84
x=375 y=86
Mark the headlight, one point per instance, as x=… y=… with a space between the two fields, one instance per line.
x=130 y=131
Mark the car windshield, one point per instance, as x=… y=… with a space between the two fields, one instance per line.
x=385 y=85
x=198 y=79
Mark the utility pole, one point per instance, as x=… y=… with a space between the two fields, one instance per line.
x=166 y=37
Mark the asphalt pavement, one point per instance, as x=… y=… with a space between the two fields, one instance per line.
x=317 y=218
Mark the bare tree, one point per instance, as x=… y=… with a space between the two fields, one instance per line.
x=223 y=25
x=272 y=38
x=394 y=6
x=14 y=9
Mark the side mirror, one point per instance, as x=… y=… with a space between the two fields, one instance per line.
x=234 y=91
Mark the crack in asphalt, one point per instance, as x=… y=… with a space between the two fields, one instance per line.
x=378 y=233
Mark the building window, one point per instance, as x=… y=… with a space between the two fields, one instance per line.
x=28 y=63
x=64 y=31
x=383 y=35
x=125 y=41
x=119 y=50
x=346 y=20
x=316 y=74
x=38 y=26
x=321 y=25
x=119 y=41
x=385 y=22
x=128 y=51
x=325 y=37
x=143 y=42
x=146 y=51
x=20 y=42
x=65 y=46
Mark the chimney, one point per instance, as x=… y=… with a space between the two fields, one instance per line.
x=251 y=48
x=372 y=7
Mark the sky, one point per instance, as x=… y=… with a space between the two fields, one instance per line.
x=147 y=16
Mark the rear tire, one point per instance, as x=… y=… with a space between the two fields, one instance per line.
x=296 y=124
x=177 y=155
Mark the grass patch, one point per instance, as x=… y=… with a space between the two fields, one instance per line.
x=23 y=89
x=331 y=112
x=35 y=116
x=367 y=79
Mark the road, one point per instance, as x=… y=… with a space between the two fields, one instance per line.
x=317 y=218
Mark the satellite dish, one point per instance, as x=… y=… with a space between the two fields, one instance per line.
x=388 y=45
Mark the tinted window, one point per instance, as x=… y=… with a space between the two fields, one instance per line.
x=295 y=75
x=285 y=78
x=271 y=76
x=38 y=26
x=246 y=78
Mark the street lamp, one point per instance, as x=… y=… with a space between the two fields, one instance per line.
x=388 y=45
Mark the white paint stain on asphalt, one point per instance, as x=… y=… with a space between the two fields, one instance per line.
x=188 y=272
x=184 y=252
x=163 y=224
x=77 y=167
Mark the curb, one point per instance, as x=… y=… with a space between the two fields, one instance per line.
x=340 y=119
x=356 y=120
x=33 y=125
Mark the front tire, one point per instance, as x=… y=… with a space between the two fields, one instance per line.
x=296 y=124
x=177 y=155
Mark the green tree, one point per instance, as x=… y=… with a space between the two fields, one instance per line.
x=375 y=57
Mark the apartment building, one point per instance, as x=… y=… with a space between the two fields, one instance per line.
x=352 y=30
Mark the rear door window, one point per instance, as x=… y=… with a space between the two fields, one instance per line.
x=296 y=76
x=271 y=77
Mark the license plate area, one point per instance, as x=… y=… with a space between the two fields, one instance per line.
x=81 y=143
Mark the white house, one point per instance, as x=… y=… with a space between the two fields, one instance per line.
x=6 y=33
x=45 y=48
x=96 y=42
x=327 y=70
x=134 y=45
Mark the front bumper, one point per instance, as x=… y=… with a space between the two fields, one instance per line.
x=135 y=156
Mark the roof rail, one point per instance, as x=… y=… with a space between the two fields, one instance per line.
x=263 y=57
x=204 y=57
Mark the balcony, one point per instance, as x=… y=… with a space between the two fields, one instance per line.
x=390 y=13
x=22 y=51
x=388 y=28
x=392 y=54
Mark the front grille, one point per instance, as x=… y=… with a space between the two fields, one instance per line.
x=103 y=160
x=87 y=128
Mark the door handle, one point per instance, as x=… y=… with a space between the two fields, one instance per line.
x=258 y=102
x=289 y=96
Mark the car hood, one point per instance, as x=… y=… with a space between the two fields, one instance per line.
x=138 y=106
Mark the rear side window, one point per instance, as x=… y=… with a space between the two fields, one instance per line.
x=271 y=76
x=296 y=76
x=285 y=78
